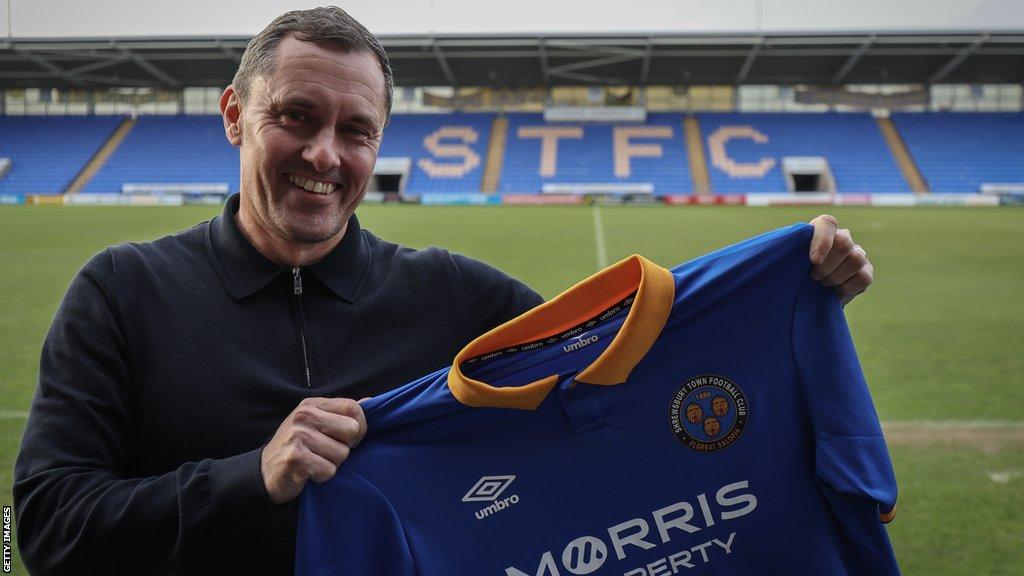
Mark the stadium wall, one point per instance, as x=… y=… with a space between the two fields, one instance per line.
x=758 y=200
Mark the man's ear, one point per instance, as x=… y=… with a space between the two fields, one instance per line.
x=231 y=112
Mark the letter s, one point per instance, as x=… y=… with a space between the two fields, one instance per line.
x=724 y=499
x=469 y=158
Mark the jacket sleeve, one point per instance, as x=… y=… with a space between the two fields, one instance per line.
x=851 y=457
x=79 y=509
x=347 y=527
x=494 y=297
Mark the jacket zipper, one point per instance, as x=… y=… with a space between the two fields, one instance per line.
x=297 y=292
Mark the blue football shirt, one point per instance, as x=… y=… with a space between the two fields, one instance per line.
x=711 y=419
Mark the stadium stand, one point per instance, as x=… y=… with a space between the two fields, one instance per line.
x=745 y=151
x=539 y=153
x=47 y=152
x=958 y=152
x=170 y=149
x=447 y=151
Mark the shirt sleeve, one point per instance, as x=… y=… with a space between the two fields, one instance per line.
x=495 y=297
x=79 y=508
x=852 y=461
x=348 y=528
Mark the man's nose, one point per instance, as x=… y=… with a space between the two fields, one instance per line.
x=322 y=151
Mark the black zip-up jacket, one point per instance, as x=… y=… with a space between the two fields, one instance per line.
x=170 y=364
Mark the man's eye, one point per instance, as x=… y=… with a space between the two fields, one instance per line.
x=294 y=115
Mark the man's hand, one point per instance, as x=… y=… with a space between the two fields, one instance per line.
x=838 y=262
x=311 y=443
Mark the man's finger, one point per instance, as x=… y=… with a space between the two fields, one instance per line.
x=342 y=406
x=319 y=468
x=852 y=264
x=857 y=283
x=349 y=409
x=842 y=245
x=341 y=428
x=328 y=448
x=360 y=417
x=339 y=418
x=825 y=227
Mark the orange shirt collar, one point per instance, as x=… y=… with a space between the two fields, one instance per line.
x=655 y=292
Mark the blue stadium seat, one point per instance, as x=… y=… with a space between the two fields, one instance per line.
x=755 y=143
x=47 y=152
x=193 y=149
x=448 y=151
x=653 y=153
x=957 y=151
x=171 y=150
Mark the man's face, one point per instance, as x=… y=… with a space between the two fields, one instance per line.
x=309 y=135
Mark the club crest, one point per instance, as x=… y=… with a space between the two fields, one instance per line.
x=708 y=413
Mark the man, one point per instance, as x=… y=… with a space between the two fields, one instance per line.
x=191 y=386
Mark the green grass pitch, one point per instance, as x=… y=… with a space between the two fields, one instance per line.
x=940 y=335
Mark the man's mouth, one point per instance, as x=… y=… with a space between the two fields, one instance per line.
x=310 y=185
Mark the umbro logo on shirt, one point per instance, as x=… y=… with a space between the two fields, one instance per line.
x=580 y=342
x=489 y=489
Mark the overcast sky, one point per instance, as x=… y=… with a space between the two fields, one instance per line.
x=243 y=18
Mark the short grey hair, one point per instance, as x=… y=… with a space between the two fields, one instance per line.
x=327 y=24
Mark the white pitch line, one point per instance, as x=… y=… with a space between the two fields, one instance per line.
x=602 y=254
x=1004 y=476
x=13 y=414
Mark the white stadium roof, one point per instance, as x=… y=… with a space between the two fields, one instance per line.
x=176 y=43
x=28 y=19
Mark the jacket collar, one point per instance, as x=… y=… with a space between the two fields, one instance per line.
x=243 y=270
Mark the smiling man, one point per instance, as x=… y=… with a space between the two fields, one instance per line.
x=189 y=387
x=309 y=129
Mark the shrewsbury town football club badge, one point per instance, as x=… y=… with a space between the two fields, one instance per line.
x=708 y=413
